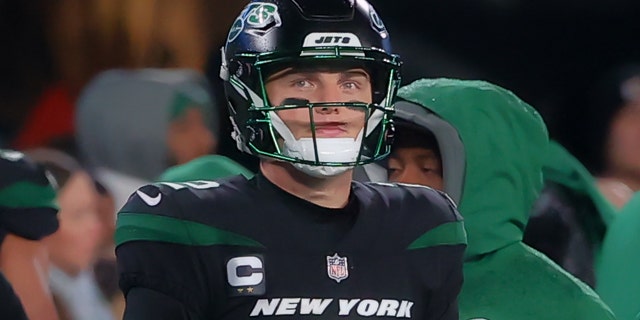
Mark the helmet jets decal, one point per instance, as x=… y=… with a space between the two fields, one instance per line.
x=343 y=39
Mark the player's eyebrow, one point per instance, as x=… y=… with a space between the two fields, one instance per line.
x=353 y=73
x=283 y=73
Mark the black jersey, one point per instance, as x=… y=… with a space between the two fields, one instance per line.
x=243 y=249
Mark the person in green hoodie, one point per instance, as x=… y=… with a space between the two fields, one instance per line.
x=618 y=280
x=492 y=147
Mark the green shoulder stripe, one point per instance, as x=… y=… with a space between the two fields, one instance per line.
x=25 y=194
x=142 y=226
x=450 y=233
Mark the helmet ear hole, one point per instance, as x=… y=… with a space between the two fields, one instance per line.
x=378 y=96
x=255 y=134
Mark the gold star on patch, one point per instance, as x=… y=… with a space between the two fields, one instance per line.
x=249 y=290
x=240 y=290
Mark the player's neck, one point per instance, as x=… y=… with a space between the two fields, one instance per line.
x=330 y=192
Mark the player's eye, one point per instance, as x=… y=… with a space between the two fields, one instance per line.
x=301 y=83
x=350 y=85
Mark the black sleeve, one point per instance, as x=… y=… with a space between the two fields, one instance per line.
x=162 y=271
x=154 y=254
x=147 y=304
x=29 y=223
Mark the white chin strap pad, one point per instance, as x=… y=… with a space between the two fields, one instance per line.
x=329 y=149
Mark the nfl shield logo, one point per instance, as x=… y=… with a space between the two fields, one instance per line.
x=337 y=268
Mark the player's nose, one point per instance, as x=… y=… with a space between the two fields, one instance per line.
x=329 y=94
x=326 y=110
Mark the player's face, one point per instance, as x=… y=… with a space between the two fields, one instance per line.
x=353 y=85
x=416 y=166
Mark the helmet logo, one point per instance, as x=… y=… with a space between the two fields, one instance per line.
x=257 y=18
x=376 y=22
x=235 y=30
x=263 y=14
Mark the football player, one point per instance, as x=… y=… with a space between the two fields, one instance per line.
x=310 y=86
x=28 y=213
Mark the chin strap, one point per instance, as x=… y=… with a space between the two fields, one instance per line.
x=340 y=150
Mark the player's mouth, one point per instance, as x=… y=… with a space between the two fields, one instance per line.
x=330 y=129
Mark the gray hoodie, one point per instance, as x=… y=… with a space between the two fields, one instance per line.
x=122 y=117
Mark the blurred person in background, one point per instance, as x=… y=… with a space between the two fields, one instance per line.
x=570 y=218
x=28 y=213
x=614 y=129
x=73 y=249
x=132 y=125
x=485 y=147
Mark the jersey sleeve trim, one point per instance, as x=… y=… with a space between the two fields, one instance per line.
x=450 y=233
x=27 y=194
x=150 y=227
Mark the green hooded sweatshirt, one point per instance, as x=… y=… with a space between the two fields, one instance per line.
x=504 y=142
x=618 y=279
